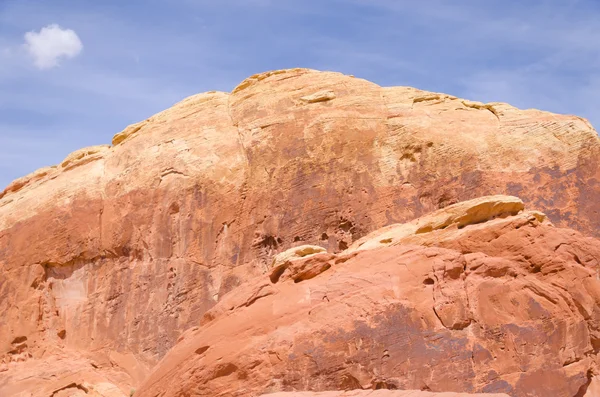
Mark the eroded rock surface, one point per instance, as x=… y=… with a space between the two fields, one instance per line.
x=379 y=393
x=507 y=305
x=118 y=250
x=457 y=215
x=65 y=375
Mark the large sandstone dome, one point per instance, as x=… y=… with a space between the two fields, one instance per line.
x=108 y=258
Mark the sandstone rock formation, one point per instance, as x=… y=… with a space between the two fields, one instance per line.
x=379 y=393
x=64 y=375
x=110 y=256
x=506 y=305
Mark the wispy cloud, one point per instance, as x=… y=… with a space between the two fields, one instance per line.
x=51 y=44
x=540 y=53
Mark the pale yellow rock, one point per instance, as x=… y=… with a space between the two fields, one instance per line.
x=458 y=215
x=27 y=180
x=321 y=96
x=479 y=106
x=301 y=251
x=439 y=236
x=127 y=132
x=84 y=155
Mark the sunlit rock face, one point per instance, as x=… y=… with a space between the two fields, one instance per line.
x=107 y=258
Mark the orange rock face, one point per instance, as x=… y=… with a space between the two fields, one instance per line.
x=110 y=256
x=509 y=305
x=379 y=393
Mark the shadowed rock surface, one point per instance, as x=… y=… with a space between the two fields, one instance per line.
x=507 y=305
x=107 y=258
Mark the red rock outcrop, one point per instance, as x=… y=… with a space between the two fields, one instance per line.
x=379 y=393
x=115 y=252
x=64 y=375
x=508 y=305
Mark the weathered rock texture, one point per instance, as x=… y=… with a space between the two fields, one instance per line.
x=64 y=375
x=507 y=305
x=379 y=393
x=112 y=254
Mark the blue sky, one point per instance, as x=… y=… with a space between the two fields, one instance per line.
x=139 y=57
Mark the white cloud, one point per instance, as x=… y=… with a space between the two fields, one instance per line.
x=51 y=44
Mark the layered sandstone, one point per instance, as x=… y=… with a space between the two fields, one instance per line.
x=111 y=255
x=379 y=393
x=509 y=304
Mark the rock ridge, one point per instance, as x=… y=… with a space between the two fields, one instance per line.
x=112 y=256
x=458 y=291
